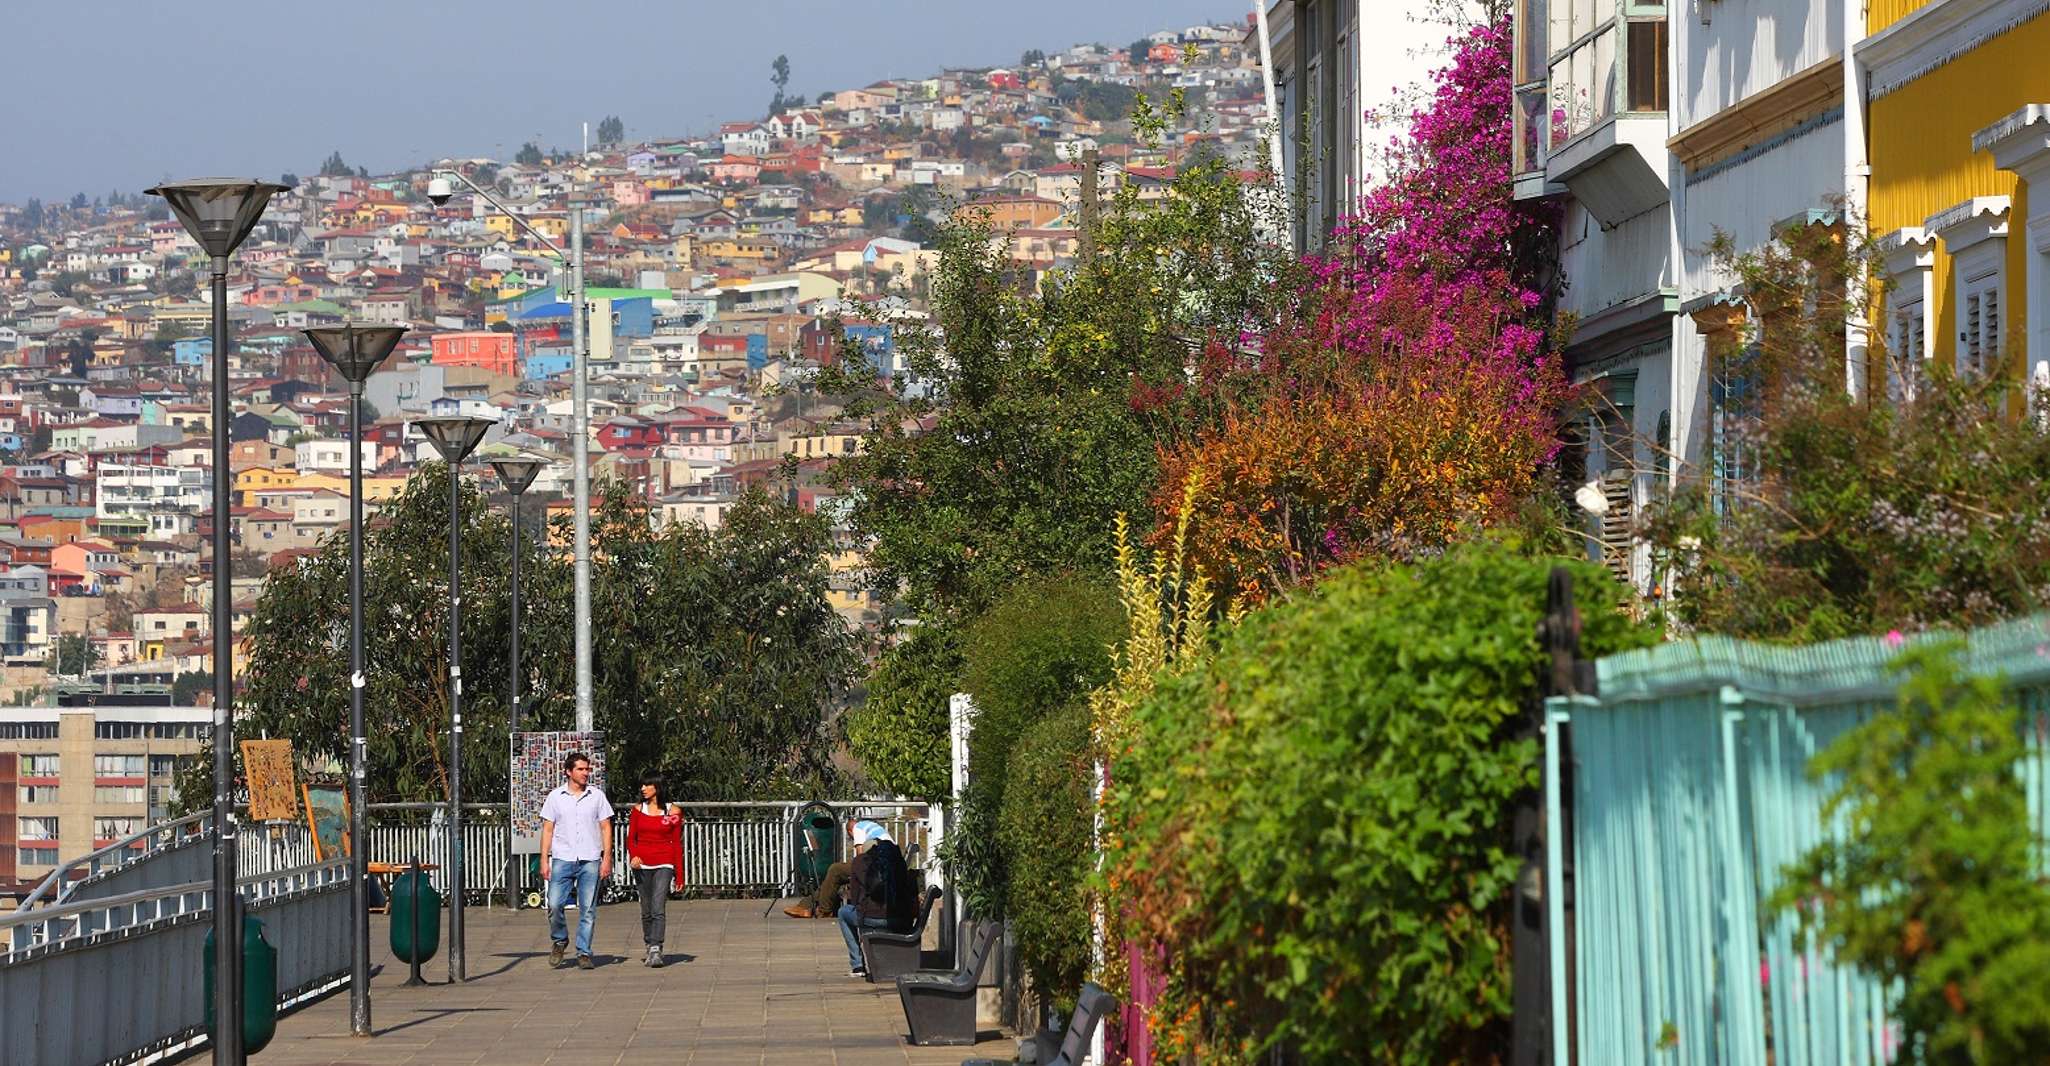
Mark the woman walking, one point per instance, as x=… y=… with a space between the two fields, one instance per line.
x=654 y=848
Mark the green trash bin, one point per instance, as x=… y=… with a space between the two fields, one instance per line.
x=817 y=844
x=259 y=986
x=415 y=917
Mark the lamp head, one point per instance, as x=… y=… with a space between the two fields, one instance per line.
x=218 y=212
x=440 y=190
x=517 y=474
x=455 y=437
x=354 y=351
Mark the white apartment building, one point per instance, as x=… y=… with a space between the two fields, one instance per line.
x=331 y=456
x=145 y=490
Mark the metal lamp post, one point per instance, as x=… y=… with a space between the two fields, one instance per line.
x=219 y=213
x=580 y=426
x=354 y=351
x=515 y=475
x=455 y=438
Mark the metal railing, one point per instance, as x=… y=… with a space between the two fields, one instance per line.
x=148 y=945
x=66 y=879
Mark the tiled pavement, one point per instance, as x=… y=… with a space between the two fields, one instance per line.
x=741 y=989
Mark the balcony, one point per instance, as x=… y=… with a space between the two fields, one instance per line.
x=1609 y=168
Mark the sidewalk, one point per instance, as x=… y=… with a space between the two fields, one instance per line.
x=740 y=989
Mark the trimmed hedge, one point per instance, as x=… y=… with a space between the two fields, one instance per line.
x=1313 y=826
x=1045 y=829
x=1041 y=648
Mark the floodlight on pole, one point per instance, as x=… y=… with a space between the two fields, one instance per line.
x=455 y=438
x=354 y=352
x=219 y=213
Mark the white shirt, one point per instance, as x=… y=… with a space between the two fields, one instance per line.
x=576 y=819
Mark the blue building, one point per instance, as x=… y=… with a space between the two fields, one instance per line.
x=192 y=351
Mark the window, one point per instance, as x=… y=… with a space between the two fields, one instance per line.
x=118 y=765
x=38 y=829
x=115 y=828
x=38 y=856
x=1978 y=338
x=1647 y=65
x=28 y=730
x=163 y=765
x=38 y=794
x=118 y=794
x=39 y=766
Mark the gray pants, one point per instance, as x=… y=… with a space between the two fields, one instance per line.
x=654 y=888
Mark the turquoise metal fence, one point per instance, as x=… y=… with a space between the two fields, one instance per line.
x=1690 y=793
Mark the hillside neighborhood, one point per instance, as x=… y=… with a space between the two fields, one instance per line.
x=721 y=270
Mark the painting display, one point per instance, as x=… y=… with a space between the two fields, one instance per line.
x=537 y=770
x=273 y=789
x=327 y=815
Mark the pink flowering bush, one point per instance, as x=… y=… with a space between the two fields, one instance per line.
x=1412 y=392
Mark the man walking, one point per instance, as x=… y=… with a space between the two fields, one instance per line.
x=576 y=854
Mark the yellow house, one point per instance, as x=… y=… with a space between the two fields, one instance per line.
x=555 y=226
x=376 y=488
x=259 y=478
x=1959 y=128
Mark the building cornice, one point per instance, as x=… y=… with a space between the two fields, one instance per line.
x=1761 y=116
x=1935 y=35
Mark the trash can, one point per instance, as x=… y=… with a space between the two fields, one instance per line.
x=415 y=917
x=817 y=844
x=259 y=986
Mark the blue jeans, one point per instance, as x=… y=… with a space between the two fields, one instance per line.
x=851 y=922
x=583 y=875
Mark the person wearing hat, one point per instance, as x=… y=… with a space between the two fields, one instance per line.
x=878 y=891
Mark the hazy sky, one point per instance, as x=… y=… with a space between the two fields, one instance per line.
x=119 y=94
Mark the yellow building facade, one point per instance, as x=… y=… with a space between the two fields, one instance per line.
x=1959 y=124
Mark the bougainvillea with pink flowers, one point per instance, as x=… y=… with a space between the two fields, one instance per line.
x=1413 y=392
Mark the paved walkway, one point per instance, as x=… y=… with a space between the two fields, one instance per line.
x=740 y=989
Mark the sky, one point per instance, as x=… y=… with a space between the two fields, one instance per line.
x=116 y=95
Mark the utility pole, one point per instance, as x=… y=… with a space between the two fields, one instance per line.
x=1086 y=247
x=580 y=397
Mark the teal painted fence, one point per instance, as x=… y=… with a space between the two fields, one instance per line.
x=1690 y=794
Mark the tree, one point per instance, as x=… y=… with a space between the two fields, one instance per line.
x=1934 y=887
x=32 y=215
x=529 y=155
x=779 y=76
x=187 y=687
x=611 y=130
x=899 y=730
x=1032 y=58
x=289 y=180
x=1136 y=51
x=79 y=202
x=334 y=167
x=75 y=655
x=1039 y=412
x=1919 y=503
x=718 y=660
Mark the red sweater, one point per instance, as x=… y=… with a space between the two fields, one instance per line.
x=656 y=840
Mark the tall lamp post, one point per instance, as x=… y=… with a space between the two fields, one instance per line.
x=440 y=191
x=455 y=438
x=219 y=213
x=354 y=351
x=515 y=475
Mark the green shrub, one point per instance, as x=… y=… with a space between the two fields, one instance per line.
x=1040 y=648
x=901 y=730
x=1935 y=886
x=1044 y=829
x=1313 y=826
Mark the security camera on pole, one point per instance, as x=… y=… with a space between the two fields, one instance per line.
x=219 y=213
x=440 y=189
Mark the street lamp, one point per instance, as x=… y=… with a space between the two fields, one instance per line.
x=354 y=351
x=515 y=475
x=219 y=213
x=440 y=190
x=455 y=438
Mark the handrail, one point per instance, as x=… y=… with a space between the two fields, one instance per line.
x=126 y=899
x=58 y=877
